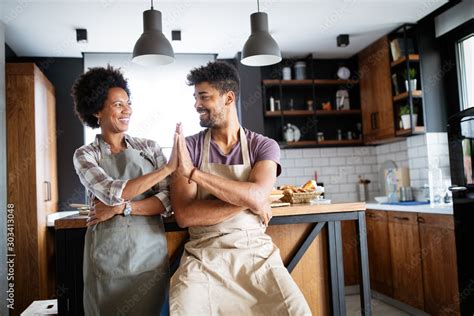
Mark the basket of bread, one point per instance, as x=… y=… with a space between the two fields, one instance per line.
x=304 y=194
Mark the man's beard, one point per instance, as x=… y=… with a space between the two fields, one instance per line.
x=211 y=121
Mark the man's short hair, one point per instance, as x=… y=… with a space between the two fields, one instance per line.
x=221 y=75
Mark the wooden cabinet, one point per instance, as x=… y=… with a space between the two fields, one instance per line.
x=405 y=251
x=376 y=92
x=438 y=250
x=380 y=258
x=350 y=253
x=32 y=179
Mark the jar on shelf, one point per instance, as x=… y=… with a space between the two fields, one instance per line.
x=320 y=136
x=300 y=70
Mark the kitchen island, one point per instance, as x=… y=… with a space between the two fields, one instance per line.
x=308 y=235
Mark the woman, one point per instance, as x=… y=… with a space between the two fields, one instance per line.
x=125 y=254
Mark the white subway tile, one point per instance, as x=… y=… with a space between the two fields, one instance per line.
x=339 y=178
x=337 y=161
x=419 y=163
x=344 y=152
x=309 y=172
x=304 y=162
x=395 y=147
x=328 y=171
x=355 y=160
x=287 y=163
x=283 y=153
x=364 y=151
x=294 y=153
x=328 y=152
x=285 y=180
x=363 y=169
x=295 y=172
x=369 y=160
x=302 y=180
x=321 y=162
x=349 y=188
x=311 y=153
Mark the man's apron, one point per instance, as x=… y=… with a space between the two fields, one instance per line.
x=233 y=268
x=126 y=268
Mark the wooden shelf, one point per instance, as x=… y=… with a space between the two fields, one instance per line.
x=406 y=132
x=337 y=113
x=404 y=95
x=314 y=143
x=308 y=82
x=309 y=113
x=341 y=142
x=411 y=57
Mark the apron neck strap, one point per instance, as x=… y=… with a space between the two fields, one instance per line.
x=243 y=147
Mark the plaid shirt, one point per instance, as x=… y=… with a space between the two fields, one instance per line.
x=108 y=190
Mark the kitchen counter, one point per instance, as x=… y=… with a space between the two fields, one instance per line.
x=445 y=210
x=308 y=236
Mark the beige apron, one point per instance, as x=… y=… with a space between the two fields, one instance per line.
x=125 y=258
x=233 y=268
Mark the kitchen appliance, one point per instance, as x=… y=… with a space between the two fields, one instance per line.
x=394 y=180
x=461 y=158
x=406 y=194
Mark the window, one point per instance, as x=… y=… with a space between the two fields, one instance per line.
x=160 y=97
x=465 y=61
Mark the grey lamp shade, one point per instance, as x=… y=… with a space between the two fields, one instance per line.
x=260 y=49
x=152 y=48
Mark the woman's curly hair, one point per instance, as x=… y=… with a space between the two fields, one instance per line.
x=90 y=92
x=221 y=75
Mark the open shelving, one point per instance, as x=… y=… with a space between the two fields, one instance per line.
x=319 y=86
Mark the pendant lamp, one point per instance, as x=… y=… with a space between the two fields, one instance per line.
x=152 y=48
x=260 y=49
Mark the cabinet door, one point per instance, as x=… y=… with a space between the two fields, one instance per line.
x=376 y=91
x=439 y=264
x=378 y=242
x=406 y=258
x=350 y=253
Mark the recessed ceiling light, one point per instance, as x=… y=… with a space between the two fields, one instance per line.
x=81 y=36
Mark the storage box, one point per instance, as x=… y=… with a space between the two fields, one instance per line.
x=38 y=308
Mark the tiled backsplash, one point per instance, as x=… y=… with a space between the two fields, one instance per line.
x=339 y=168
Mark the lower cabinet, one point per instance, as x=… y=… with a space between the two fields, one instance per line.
x=438 y=252
x=412 y=258
x=405 y=250
x=380 y=258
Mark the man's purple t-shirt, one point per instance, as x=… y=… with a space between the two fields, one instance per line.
x=260 y=148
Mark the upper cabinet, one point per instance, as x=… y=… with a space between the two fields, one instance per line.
x=32 y=179
x=311 y=102
x=375 y=92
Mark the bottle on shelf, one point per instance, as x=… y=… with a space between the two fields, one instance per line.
x=272 y=104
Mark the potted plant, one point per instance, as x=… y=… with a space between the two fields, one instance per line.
x=405 y=116
x=411 y=75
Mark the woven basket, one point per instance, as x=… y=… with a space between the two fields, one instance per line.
x=302 y=197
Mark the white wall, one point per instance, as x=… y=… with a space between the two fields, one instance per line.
x=3 y=176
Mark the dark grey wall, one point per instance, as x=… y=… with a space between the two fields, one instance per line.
x=62 y=72
x=432 y=72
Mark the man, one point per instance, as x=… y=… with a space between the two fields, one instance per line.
x=220 y=191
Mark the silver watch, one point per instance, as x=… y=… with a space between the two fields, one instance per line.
x=127 y=211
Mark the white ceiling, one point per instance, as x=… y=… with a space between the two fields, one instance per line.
x=46 y=28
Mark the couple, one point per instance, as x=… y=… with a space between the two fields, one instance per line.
x=217 y=183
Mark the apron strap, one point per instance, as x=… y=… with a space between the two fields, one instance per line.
x=243 y=148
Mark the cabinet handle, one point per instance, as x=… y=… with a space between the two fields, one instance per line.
x=370 y=215
x=420 y=220
x=401 y=218
x=47 y=191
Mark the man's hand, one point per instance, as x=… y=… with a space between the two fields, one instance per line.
x=102 y=212
x=172 y=164
x=185 y=164
x=264 y=211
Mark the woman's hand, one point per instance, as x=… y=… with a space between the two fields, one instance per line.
x=185 y=165
x=172 y=164
x=101 y=212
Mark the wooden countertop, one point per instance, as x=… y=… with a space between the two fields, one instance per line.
x=79 y=221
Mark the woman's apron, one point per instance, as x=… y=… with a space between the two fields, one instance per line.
x=233 y=268
x=126 y=268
